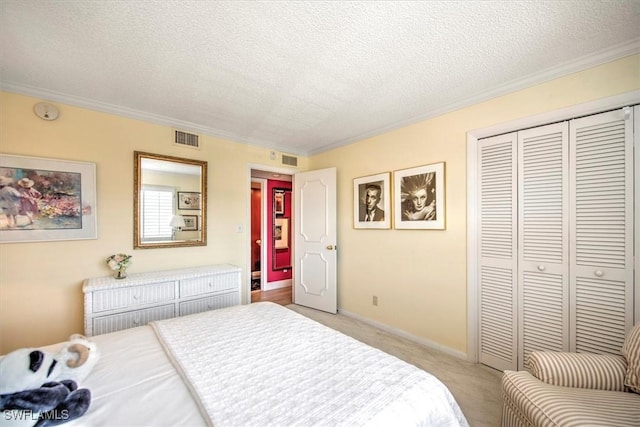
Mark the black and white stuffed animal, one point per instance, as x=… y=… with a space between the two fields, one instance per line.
x=30 y=395
x=76 y=358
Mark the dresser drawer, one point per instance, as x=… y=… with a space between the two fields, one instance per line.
x=208 y=284
x=116 y=322
x=210 y=303
x=111 y=305
x=134 y=296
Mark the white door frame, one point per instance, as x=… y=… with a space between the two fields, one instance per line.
x=263 y=251
x=263 y=232
x=636 y=224
x=593 y=107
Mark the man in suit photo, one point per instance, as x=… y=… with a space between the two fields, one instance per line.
x=369 y=209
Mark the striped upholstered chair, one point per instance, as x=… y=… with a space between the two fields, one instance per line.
x=575 y=389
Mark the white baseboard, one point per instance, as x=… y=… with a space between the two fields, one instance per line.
x=269 y=286
x=407 y=335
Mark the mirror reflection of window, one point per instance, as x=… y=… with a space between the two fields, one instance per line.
x=158 y=180
x=157 y=211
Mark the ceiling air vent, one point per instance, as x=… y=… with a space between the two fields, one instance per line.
x=185 y=139
x=289 y=160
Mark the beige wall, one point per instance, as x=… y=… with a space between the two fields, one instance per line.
x=420 y=276
x=41 y=298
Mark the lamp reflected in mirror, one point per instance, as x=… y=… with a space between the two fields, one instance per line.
x=177 y=224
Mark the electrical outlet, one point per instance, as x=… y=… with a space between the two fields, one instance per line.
x=375 y=300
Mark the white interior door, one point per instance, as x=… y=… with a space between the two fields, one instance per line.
x=601 y=176
x=315 y=275
x=497 y=231
x=543 y=247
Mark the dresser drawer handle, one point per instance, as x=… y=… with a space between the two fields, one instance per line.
x=599 y=273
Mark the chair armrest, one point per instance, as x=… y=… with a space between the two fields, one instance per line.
x=582 y=370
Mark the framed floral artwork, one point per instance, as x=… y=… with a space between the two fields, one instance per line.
x=190 y=223
x=372 y=201
x=46 y=199
x=420 y=198
x=188 y=200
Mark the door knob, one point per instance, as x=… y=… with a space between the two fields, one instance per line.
x=330 y=247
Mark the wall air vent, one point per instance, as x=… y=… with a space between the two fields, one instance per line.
x=185 y=139
x=289 y=160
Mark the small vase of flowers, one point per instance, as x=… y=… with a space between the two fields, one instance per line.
x=119 y=263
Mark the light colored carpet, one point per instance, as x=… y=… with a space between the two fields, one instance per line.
x=476 y=387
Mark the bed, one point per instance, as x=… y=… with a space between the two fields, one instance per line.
x=256 y=365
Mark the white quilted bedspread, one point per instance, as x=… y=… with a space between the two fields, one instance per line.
x=265 y=365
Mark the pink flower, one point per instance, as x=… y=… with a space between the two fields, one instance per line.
x=119 y=261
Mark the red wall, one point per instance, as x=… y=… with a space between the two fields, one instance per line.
x=276 y=275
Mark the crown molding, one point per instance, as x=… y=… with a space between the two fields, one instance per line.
x=613 y=53
x=130 y=113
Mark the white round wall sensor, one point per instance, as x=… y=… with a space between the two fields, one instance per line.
x=46 y=111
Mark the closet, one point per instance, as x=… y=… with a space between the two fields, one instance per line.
x=555 y=238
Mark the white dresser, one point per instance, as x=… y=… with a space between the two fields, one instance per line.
x=113 y=304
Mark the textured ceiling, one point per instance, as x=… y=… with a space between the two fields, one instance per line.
x=300 y=76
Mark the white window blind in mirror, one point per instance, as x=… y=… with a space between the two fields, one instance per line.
x=157 y=205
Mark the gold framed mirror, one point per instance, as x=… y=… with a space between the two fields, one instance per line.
x=170 y=201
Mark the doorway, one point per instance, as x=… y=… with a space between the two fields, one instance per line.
x=270 y=236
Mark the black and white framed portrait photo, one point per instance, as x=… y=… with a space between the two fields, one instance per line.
x=372 y=201
x=419 y=198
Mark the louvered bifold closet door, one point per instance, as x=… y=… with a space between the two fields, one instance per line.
x=497 y=249
x=543 y=255
x=602 y=218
